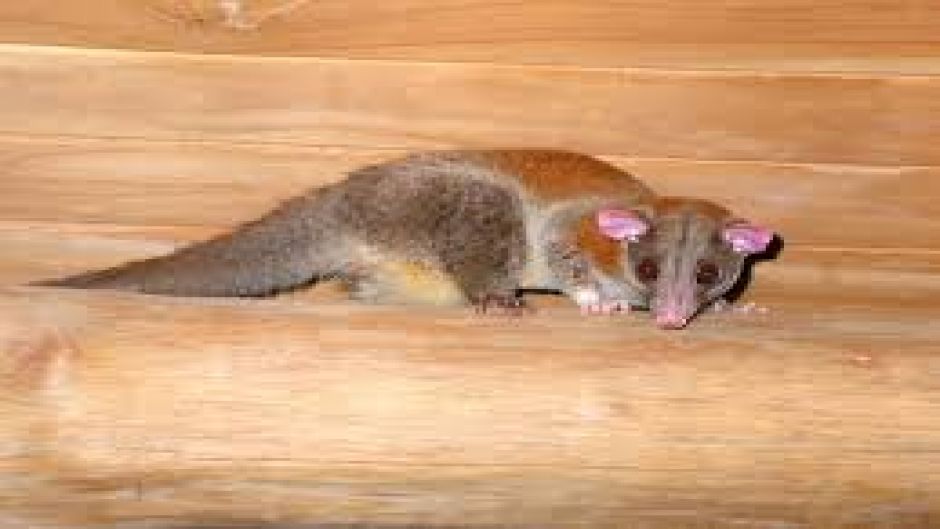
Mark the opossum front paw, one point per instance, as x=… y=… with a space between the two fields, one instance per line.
x=505 y=303
x=607 y=308
x=720 y=305
x=591 y=302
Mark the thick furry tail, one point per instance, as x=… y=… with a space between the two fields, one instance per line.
x=290 y=246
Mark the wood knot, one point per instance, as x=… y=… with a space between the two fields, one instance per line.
x=34 y=361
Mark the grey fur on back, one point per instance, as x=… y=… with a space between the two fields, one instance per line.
x=434 y=210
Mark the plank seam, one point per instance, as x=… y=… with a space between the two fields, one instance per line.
x=13 y=136
x=33 y=49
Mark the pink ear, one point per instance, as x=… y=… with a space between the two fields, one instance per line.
x=746 y=237
x=621 y=224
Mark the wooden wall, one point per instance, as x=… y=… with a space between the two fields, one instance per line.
x=818 y=118
x=129 y=127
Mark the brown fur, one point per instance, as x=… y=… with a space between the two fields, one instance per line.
x=606 y=253
x=560 y=175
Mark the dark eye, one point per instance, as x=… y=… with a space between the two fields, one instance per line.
x=706 y=273
x=647 y=271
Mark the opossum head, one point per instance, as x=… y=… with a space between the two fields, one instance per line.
x=682 y=254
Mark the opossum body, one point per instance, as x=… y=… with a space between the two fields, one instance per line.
x=471 y=226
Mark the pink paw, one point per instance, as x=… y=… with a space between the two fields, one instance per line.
x=720 y=305
x=589 y=299
x=607 y=308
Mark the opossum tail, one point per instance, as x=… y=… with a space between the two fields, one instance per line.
x=293 y=245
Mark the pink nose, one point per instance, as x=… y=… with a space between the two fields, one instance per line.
x=669 y=319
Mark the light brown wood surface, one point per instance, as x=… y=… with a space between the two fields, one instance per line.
x=804 y=118
x=122 y=408
x=130 y=128
x=820 y=35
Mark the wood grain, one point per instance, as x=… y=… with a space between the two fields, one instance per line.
x=129 y=408
x=818 y=118
x=825 y=35
x=208 y=186
x=865 y=120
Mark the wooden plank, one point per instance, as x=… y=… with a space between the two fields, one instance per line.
x=132 y=182
x=830 y=35
x=129 y=409
x=708 y=115
x=142 y=184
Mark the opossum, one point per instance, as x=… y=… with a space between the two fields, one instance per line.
x=459 y=227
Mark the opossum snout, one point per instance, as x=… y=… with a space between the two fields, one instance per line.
x=671 y=320
x=674 y=309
